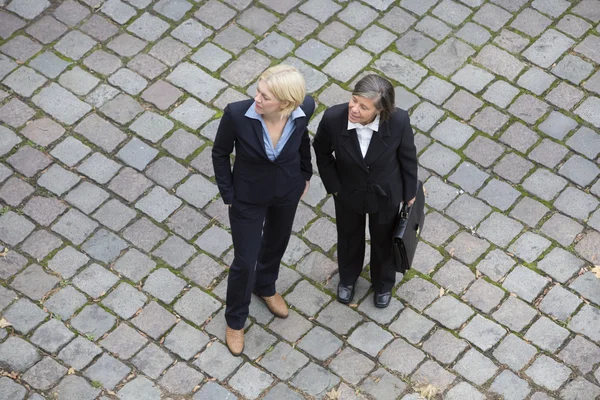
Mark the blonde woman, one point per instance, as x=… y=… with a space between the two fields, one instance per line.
x=271 y=173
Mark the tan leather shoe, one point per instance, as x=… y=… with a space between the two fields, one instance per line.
x=235 y=340
x=276 y=305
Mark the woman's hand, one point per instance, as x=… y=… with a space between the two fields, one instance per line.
x=305 y=189
x=410 y=202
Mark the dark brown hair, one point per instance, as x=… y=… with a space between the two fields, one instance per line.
x=381 y=91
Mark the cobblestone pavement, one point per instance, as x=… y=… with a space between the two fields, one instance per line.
x=114 y=273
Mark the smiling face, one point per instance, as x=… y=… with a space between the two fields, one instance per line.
x=266 y=102
x=361 y=110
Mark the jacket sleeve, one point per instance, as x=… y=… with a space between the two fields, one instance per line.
x=305 y=156
x=407 y=157
x=323 y=146
x=221 y=152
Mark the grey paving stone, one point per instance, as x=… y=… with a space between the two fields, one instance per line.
x=529 y=211
x=573 y=69
x=12 y=390
x=29 y=161
x=15 y=191
x=548 y=48
x=87 y=197
x=283 y=361
x=164 y=285
x=580 y=353
x=73 y=386
x=40 y=244
x=291 y=328
x=439 y=158
x=93 y=322
x=548 y=373
x=580 y=387
x=121 y=109
x=510 y=386
x=145 y=235
x=108 y=371
x=525 y=283
x=341 y=69
x=9 y=140
x=44 y=374
x=137 y=154
x=519 y=137
x=401 y=357
x=426 y=258
x=46 y=29
x=415 y=45
x=172 y=9
x=175 y=251
x=579 y=170
x=495 y=264
x=451 y=12
x=24 y=315
x=129 y=184
x=351 y=366
x=500 y=93
x=593 y=83
x=576 y=203
x=61 y=104
x=152 y=360
x=6 y=297
x=313 y=380
x=140 y=387
x=433 y=373
x=468 y=177
x=16 y=113
x=573 y=26
x=368 y=308
x=192 y=113
x=357 y=15
x=250 y=381
x=376 y=39
x=565 y=96
x=370 y=338
x=499 y=194
x=536 y=80
x=398 y=68
x=514 y=352
x=530 y=22
x=123 y=342
x=21 y=48
x=449 y=312
x=383 y=385
x=147 y=66
x=114 y=215
x=186 y=341
x=154 y=320
x=334 y=33
x=562 y=229
x=499 y=229
x=529 y=246
x=586 y=286
x=162 y=94
x=586 y=142
x=515 y=314
x=43 y=131
x=585 y=322
x=444 y=346
x=463 y=391
x=544 y=184
x=492 y=17
x=24 y=81
x=559 y=303
x=95 y=280
x=101 y=95
x=128 y=80
x=484 y=296
x=587 y=110
x=6 y=66
x=10 y=24
x=320 y=343
x=433 y=27
x=197 y=306
x=548 y=152
x=217 y=361
x=67 y=261
x=18 y=355
x=546 y=334
x=514 y=168
x=439 y=229
x=187 y=223
x=99 y=28
x=151 y=126
x=341 y=319
x=11 y=263
x=125 y=300
x=476 y=367
x=454 y=276
x=148 y=27
x=474 y=34
x=14 y=228
x=472 y=78
x=560 y=264
x=483 y=332
x=301 y=294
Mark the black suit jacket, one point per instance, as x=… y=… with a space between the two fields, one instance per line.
x=386 y=176
x=256 y=179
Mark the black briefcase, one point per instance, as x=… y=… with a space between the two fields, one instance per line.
x=408 y=230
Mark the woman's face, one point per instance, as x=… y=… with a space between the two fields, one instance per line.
x=361 y=110
x=266 y=102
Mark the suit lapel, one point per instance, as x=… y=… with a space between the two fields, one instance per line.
x=257 y=127
x=378 y=144
x=351 y=145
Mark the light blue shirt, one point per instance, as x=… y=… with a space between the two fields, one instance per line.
x=288 y=129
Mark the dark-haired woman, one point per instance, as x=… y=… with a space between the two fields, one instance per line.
x=367 y=158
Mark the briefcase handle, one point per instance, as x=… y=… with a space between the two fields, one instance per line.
x=404 y=211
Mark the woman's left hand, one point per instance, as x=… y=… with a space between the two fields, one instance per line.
x=305 y=189
x=410 y=202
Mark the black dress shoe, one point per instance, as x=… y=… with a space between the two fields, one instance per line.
x=345 y=293
x=382 y=300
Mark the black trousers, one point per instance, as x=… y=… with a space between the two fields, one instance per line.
x=351 y=247
x=260 y=233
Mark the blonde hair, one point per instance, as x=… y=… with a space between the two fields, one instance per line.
x=287 y=85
